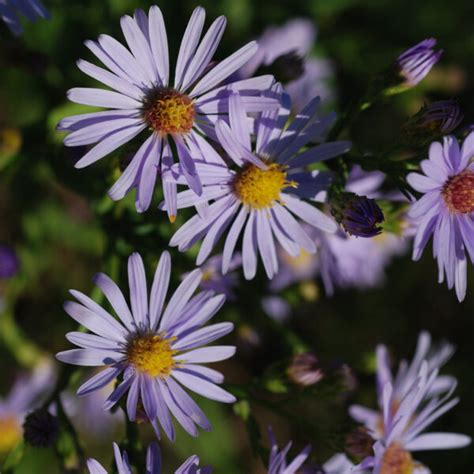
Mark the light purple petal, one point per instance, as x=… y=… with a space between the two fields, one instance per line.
x=89 y=357
x=159 y=43
x=100 y=380
x=207 y=354
x=102 y=98
x=138 y=290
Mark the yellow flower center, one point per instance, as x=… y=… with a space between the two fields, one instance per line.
x=152 y=355
x=458 y=193
x=10 y=433
x=397 y=460
x=169 y=111
x=259 y=188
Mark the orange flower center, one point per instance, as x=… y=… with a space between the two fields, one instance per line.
x=169 y=111
x=397 y=460
x=458 y=193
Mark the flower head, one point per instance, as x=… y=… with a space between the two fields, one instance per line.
x=266 y=190
x=446 y=209
x=305 y=369
x=153 y=463
x=277 y=463
x=405 y=423
x=415 y=63
x=403 y=380
x=178 y=113
x=154 y=348
x=27 y=393
x=9 y=263
x=31 y=9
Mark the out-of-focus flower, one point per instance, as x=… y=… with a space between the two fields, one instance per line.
x=259 y=199
x=358 y=215
x=152 y=346
x=284 y=50
x=277 y=463
x=31 y=9
x=405 y=422
x=153 y=463
x=88 y=414
x=276 y=307
x=415 y=63
x=352 y=262
x=28 y=392
x=305 y=369
x=446 y=209
x=214 y=280
x=338 y=464
x=41 y=428
x=403 y=381
x=9 y=263
x=179 y=114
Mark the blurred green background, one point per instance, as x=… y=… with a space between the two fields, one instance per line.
x=65 y=229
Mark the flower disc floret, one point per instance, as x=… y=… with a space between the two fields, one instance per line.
x=152 y=354
x=168 y=111
x=396 y=460
x=458 y=193
x=260 y=188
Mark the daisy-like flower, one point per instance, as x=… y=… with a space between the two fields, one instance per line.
x=403 y=381
x=277 y=463
x=404 y=426
x=27 y=393
x=177 y=113
x=415 y=63
x=156 y=348
x=269 y=188
x=30 y=9
x=446 y=210
x=153 y=463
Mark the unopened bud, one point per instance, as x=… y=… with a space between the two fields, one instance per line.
x=305 y=369
x=41 y=429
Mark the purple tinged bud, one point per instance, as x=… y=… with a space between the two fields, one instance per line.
x=442 y=116
x=359 y=443
x=415 y=63
x=9 y=263
x=358 y=215
x=305 y=369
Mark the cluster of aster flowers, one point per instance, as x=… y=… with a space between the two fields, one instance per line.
x=235 y=141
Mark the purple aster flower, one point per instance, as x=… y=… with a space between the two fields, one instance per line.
x=277 y=463
x=269 y=186
x=290 y=45
x=9 y=263
x=157 y=349
x=446 y=209
x=404 y=425
x=276 y=307
x=28 y=392
x=178 y=114
x=153 y=463
x=415 y=63
x=31 y=9
x=402 y=382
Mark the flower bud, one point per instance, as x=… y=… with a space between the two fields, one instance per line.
x=9 y=263
x=41 y=429
x=305 y=369
x=359 y=443
x=358 y=215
